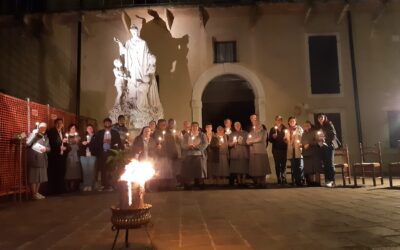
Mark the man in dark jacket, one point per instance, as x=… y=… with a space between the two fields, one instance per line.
x=279 y=148
x=57 y=158
x=102 y=142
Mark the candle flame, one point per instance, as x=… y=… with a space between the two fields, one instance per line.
x=163 y=132
x=137 y=172
x=159 y=138
x=174 y=131
x=276 y=127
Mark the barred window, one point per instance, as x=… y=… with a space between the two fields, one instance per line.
x=225 y=52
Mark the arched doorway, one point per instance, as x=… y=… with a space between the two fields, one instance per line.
x=227 y=96
x=233 y=69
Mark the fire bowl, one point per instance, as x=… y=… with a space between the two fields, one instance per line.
x=130 y=217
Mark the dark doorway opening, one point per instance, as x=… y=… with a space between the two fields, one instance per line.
x=227 y=96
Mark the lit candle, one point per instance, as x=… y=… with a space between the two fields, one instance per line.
x=298 y=141
x=254 y=127
x=66 y=135
x=234 y=139
x=221 y=140
x=37 y=125
x=127 y=134
x=76 y=134
x=192 y=139
x=276 y=130
x=87 y=138
x=319 y=133
x=249 y=136
x=160 y=138
x=174 y=131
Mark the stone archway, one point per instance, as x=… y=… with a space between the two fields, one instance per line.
x=222 y=69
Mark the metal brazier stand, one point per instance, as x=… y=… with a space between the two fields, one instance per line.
x=125 y=216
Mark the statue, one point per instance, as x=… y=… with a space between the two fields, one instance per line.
x=120 y=83
x=139 y=100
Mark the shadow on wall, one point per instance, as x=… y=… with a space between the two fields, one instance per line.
x=33 y=65
x=171 y=54
x=92 y=109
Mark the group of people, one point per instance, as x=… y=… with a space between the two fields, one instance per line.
x=190 y=157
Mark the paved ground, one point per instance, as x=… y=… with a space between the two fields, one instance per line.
x=274 y=218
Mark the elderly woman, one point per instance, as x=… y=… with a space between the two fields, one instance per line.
x=239 y=153
x=219 y=146
x=259 y=164
x=194 y=145
x=38 y=145
x=293 y=140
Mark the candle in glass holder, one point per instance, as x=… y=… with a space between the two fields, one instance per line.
x=87 y=138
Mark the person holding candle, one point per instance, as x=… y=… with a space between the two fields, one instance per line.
x=194 y=146
x=210 y=153
x=57 y=158
x=102 y=141
x=152 y=126
x=311 y=154
x=259 y=164
x=88 y=160
x=165 y=174
x=186 y=127
x=174 y=150
x=293 y=140
x=73 y=170
x=279 y=148
x=144 y=146
x=122 y=130
x=327 y=139
x=239 y=153
x=37 y=160
x=219 y=146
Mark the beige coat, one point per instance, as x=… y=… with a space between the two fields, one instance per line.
x=294 y=142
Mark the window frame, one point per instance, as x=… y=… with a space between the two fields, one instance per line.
x=308 y=67
x=235 y=57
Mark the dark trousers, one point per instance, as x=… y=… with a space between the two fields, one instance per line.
x=280 y=164
x=105 y=170
x=328 y=153
x=56 y=174
x=297 y=171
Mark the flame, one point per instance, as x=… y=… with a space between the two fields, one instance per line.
x=137 y=172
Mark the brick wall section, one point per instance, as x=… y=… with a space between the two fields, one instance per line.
x=17 y=116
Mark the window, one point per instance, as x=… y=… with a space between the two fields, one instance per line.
x=337 y=123
x=224 y=52
x=394 y=128
x=324 y=64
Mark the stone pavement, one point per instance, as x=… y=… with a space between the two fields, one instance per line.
x=274 y=218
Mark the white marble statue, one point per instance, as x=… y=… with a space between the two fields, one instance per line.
x=139 y=100
x=120 y=80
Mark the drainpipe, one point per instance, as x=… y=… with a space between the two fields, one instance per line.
x=354 y=73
